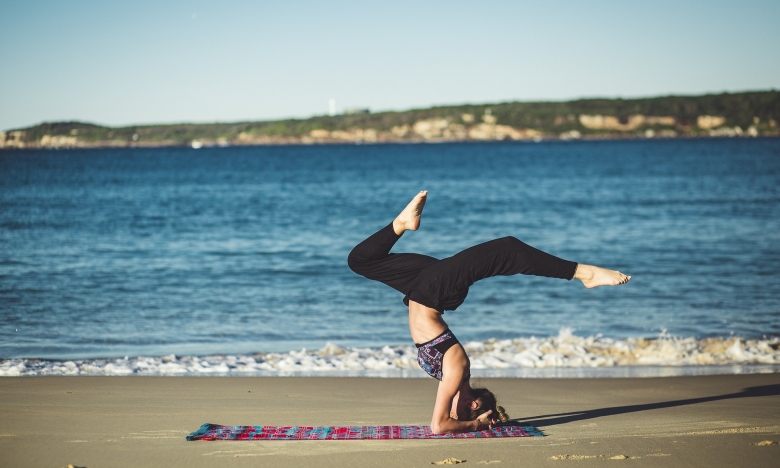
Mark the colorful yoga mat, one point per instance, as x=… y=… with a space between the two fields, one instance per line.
x=217 y=432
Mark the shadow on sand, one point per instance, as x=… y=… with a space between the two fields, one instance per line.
x=563 y=418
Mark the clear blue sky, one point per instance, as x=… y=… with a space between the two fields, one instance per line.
x=119 y=63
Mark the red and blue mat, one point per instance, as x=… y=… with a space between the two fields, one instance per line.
x=217 y=432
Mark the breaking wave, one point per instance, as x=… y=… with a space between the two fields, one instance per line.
x=564 y=355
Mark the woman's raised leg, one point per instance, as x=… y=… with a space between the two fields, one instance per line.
x=510 y=256
x=372 y=258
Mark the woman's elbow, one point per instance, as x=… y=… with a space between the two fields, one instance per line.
x=441 y=427
x=436 y=428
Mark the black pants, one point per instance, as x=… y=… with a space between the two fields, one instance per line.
x=444 y=284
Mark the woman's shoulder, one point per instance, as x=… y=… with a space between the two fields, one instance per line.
x=456 y=364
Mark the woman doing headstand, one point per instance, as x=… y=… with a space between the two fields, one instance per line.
x=431 y=286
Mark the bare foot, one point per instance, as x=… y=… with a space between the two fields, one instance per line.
x=409 y=218
x=593 y=276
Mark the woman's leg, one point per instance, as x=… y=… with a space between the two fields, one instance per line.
x=510 y=256
x=372 y=258
x=501 y=257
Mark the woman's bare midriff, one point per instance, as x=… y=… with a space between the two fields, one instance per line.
x=425 y=323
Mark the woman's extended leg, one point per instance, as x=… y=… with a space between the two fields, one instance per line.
x=372 y=258
x=510 y=256
x=500 y=257
x=445 y=284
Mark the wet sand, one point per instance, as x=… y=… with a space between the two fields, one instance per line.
x=142 y=421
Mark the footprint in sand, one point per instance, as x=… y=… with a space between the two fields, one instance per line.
x=585 y=457
x=448 y=461
x=764 y=443
x=574 y=457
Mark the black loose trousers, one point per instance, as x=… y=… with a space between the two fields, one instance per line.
x=444 y=284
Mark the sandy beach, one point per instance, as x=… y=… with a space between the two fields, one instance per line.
x=142 y=421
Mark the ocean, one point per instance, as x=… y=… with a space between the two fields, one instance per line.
x=232 y=260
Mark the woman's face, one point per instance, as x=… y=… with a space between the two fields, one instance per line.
x=462 y=406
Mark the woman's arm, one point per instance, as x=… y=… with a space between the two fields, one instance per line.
x=442 y=422
x=454 y=368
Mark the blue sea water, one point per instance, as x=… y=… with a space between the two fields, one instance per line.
x=117 y=252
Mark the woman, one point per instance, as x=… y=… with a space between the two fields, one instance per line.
x=431 y=286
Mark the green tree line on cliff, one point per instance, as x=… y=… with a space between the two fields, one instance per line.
x=739 y=109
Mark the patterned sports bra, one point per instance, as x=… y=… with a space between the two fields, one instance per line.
x=431 y=353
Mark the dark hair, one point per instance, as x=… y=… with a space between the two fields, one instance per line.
x=487 y=402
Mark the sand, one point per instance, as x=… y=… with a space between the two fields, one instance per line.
x=142 y=421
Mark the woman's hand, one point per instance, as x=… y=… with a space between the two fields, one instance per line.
x=485 y=421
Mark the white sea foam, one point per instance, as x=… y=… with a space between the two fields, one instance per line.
x=562 y=355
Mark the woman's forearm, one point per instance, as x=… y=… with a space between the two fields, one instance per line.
x=453 y=425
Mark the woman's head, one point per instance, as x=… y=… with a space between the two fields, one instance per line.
x=483 y=401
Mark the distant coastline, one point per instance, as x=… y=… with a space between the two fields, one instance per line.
x=748 y=114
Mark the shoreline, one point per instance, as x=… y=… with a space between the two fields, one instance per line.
x=295 y=142
x=575 y=373
x=114 y=421
x=564 y=355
